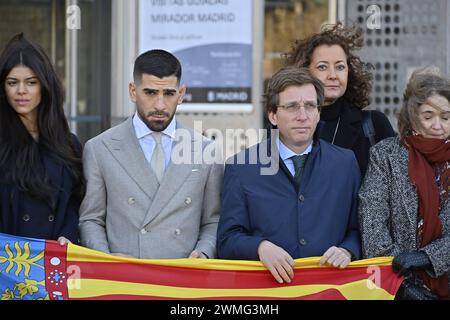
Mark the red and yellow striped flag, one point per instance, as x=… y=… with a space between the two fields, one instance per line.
x=74 y=272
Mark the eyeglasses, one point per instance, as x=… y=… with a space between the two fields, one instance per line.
x=294 y=107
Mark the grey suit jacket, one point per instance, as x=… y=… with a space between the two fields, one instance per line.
x=388 y=209
x=125 y=210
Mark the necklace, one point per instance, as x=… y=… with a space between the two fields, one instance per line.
x=336 y=130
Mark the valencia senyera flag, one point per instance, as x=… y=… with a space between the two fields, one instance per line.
x=39 y=269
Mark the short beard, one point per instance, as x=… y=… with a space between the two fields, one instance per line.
x=156 y=126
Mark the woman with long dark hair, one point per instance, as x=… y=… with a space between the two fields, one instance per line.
x=41 y=179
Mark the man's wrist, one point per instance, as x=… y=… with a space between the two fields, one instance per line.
x=347 y=253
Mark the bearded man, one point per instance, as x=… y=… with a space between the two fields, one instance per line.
x=141 y=200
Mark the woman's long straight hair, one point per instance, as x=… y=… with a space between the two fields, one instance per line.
x=18 y=150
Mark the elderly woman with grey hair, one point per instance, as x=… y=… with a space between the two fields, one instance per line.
x=404 y=209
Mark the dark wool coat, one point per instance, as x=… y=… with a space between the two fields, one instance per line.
x=388 y=209
x=23 y=215
x=350 y=133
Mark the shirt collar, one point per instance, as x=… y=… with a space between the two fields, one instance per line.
x=286 y=153
x=141 y=129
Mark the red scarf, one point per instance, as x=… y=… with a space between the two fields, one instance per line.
x=424 y=154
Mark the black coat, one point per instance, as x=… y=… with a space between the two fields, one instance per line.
x=350 y=133
x=23 y=215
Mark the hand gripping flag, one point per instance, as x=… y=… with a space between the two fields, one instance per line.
x=42 y=270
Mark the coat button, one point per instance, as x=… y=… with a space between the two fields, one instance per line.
x=177 y=232
x=51 y=218
x=188 y=200
x=26 y=217
x=131 y=201
x=144 y=231
x=303 y=242
x=301 y=198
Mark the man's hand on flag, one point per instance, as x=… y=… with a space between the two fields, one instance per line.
x=63 y=241
x=337 y=257
x=197 y=255
x=277 y=260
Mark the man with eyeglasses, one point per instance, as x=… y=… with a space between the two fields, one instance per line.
x=306 y=208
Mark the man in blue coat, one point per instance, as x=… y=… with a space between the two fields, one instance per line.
x=293 y=195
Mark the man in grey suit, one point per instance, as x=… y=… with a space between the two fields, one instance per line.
x=151 y=192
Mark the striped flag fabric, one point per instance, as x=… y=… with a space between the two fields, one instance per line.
x=35 y=269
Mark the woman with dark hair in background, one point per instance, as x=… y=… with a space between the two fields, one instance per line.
x=348 y=83
x=41 y=179
x=404 y=209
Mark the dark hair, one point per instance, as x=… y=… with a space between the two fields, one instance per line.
x=285 y=77
x=18 y=149
x=360 y=78
x=157 y=62
x=423 y=84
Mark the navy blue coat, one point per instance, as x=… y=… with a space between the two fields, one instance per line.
x=304 y=222
x=23 y=215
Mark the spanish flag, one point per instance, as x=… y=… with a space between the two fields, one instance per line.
x=44 y=270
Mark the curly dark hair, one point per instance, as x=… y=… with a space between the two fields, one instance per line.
x=360 y=76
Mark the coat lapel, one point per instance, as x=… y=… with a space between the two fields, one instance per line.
x=176 y=173
x=310 y=167
x=348 y=130
x=125 y=148
x=54 y=170
x=410 y=207
x=286 y=172
x=275 y=157
x=269 y=148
